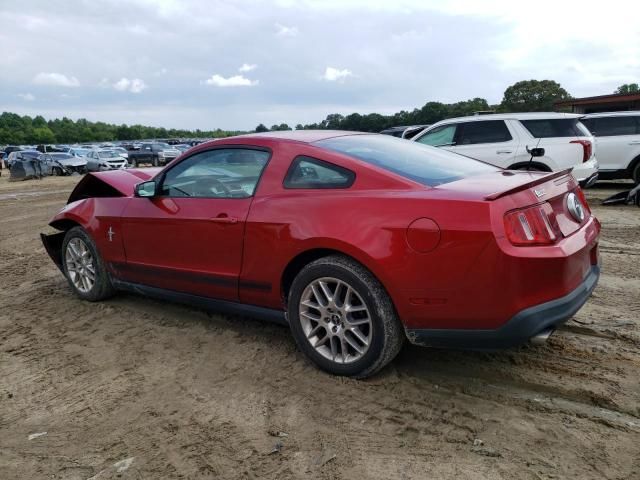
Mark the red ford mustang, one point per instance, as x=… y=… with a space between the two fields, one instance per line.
x=356 y=241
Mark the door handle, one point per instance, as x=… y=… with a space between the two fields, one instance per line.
x=224 y=218
x=504 y=151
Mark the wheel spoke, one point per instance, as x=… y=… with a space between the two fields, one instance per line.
x=318 y=295
x=334 y=348
x=354 y=344
x=322 y=341
x=309 y=316
x=314 y=330
x=326 y=291
x=310 y=304
x=359 y=335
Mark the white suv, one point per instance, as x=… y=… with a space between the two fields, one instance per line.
x=618 y=141
x=503 y=139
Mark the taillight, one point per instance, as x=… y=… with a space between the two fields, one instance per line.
x=583 y=199
x=534 y=225
x=586 y=149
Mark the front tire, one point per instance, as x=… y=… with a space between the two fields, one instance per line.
x=84 y=268
x=342 y=318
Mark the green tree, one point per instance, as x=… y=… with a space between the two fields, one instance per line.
x=628 y=88
x=42 y=135
x=261 y=128
x=533 y=96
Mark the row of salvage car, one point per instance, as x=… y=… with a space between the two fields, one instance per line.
x=30 y=163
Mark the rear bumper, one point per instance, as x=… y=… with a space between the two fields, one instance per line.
x=519 y=329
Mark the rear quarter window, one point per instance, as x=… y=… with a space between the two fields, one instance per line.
x=553 y=128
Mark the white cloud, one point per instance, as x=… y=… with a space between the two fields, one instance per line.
x=336 y=75
x=27 y=97
x=137 y=85
x=134 y=85
x=104 y=83
x=247 y=67
x=235 y=81
x=55 y=79
x=284 y=31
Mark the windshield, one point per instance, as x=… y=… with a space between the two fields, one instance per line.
x=420 y=163
x=109 y=154
x=161 y=145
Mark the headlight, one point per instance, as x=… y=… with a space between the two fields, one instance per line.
x=161 y=154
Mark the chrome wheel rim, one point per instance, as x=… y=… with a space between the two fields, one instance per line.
x=80 y=265
x=335 y=320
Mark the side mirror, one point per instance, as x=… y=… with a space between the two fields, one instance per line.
x=535 y=152
x=145 y=189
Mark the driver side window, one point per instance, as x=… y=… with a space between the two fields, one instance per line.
x=219 y=173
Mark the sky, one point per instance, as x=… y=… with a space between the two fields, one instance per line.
x=234 y=64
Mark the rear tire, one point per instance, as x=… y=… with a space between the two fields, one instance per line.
x=352 y=329
x=155 y=161
x=84 y=268
x=635 y=174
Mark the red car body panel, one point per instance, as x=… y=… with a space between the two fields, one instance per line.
x=470 y=276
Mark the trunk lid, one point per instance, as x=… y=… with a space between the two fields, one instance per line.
x=514 y=190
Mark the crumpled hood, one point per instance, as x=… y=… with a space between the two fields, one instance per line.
x=111 y=183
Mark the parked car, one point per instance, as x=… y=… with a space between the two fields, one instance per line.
x=356 y=241
x=64 y=163
x=154 y=154
x=404 y=131
x=20 y=155
x=122 y=152
x=79 y=151
x=618 y=142
x=503 y=140
x=105 y=159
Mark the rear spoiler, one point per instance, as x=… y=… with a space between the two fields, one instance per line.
x=532 y=183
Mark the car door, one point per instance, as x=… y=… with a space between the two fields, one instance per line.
x=488 y=140
x=617 y=140
x=189 y=236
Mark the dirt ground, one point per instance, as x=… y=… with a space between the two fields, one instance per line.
x=134 y=388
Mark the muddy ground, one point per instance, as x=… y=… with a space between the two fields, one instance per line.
x=135 y=388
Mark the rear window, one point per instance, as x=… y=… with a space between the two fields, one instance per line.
x=550 y=128
x=421 y=163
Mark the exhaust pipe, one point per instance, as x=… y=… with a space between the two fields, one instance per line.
x=542 y=337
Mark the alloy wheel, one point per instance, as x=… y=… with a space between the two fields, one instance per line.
x=80 y=265
x=335 y=320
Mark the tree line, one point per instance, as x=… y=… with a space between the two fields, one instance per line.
x=19 y=130
x=523 y=96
